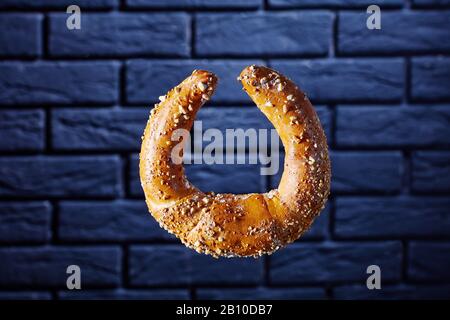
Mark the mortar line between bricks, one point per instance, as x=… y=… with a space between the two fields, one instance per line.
x=192 y=293
x=329 y=236
x=47 y=131
x=407 y=4
x=332 y=52
x=125 y=266
x=333 y=126
x=406 y=174
x=122 y=5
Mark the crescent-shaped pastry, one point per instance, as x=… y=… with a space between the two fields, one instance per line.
x=237 y=224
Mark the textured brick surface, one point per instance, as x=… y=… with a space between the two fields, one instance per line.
x=25 y=130
x=59 y=177
x=73 y=105
x=430 y=79
x=263 y=34
x=58 y=82
x=429 y=261
x=43 y=267
x=21 y=35
x=431 y=172
x=401 y=32
x=25 y=221
x=393 y=126
x=334 y=262
x=101 y=129
x=172 y=265
x=400 y=217
x=378 y=172
x=112 y=221
x=346 y=79
x=234 y=178
x=132 y=34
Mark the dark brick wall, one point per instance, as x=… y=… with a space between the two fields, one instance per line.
x=73 y=105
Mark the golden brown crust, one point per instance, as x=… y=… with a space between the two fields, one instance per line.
x=228 y=224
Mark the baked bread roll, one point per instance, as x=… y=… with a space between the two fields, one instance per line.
x=233 y=225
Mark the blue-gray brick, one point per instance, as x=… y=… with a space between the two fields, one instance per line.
x=261 y=294
x=46 y=266
x=21 y=35
x=141 y=86
x=98 y=129
x=25 y=221
x=256 y=34
x=49 y=176
x=114 y=221
x=226 y=178
x=61 y=4
x=392 y=292
x=58 y=82
x=125 y=294
x=332 y=3
x=431 y=172
x=361 y=172
x=223 y=178
x=121 y=34
x=393 y=126
x=22 y=130
x=401 y=32
x=430 y=78
x=198 y=4
x=25 y=295
x=430 y=3
x=429 y=261
x=378 y=217
x=349 y=80
x=172 y=265
x=334 y=262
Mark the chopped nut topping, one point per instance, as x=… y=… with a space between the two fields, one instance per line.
x=202 y=86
